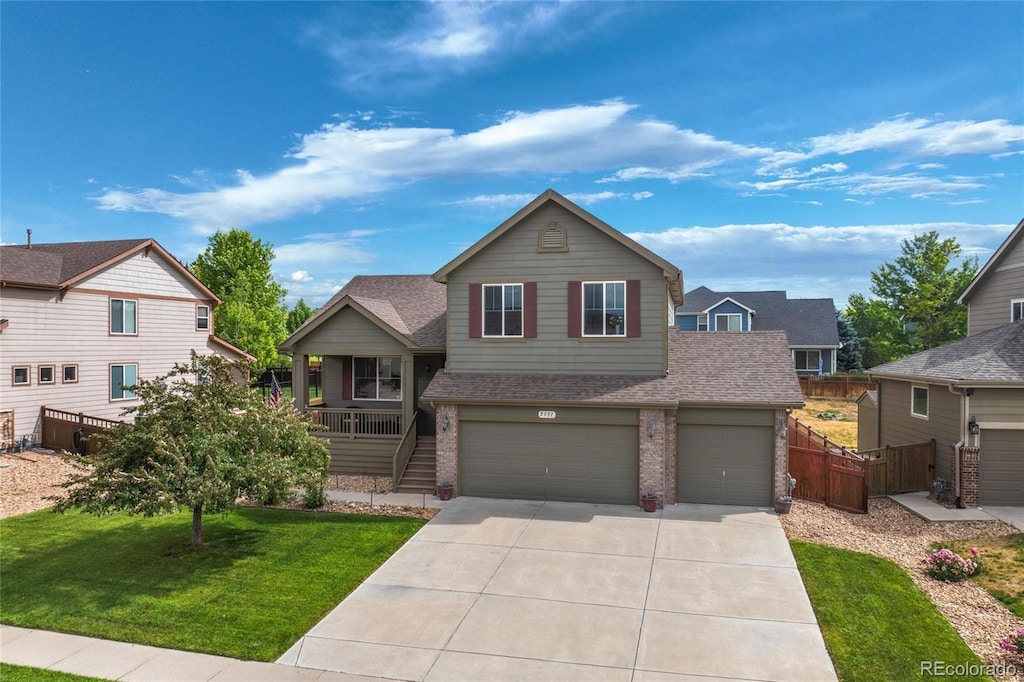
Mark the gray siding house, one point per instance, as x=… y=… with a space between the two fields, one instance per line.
x=969 y=394
x=809 y=323
x=552 y=370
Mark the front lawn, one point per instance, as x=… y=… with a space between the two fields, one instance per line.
x=1002 y=568
x=21 y=673
x=876 y=623
x=263 y=578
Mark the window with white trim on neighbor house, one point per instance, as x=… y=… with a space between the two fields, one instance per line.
x=728 y=322
x=919 y=401
x=202 y=318
x=604 y=308
x=807 y=359
x=123 y=316
x=122 y=376
x=377 y=378
x=503 y=310
x=1017 y=310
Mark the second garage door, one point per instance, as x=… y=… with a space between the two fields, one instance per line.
x=567 y=462
x=1002 y=467
x=725 y=464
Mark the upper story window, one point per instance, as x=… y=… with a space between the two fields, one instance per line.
x=121 y=378
x=503 y=310
x=1017 y=310
x=377 y=378
x=203 y=318
x=702 y=323
x=123 y=316
x=729 y=322
x=919 y=401
x=604 y=308
x=807 y=359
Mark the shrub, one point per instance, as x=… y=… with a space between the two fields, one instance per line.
x=946 y=564
x=315 y=497
x=1014 y=643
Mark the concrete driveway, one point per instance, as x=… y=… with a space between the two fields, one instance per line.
x=508 y=589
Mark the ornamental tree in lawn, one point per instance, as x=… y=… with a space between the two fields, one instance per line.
x=201 y=439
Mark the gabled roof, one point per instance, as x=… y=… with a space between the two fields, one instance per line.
x=62 y=265
x=1015 y=237
x=994 y=357
x=672 y=274
x=808 y=322
x=410 y=307
x=728 y=299
x=870 y=396
x=727 y=369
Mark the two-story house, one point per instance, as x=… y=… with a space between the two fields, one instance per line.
x=84 y=320
x=969 y=394
x=545 y=362
x=809 y=323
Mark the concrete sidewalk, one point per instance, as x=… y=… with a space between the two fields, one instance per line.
x=139 y=663
x=424 y=500
x=919 y=503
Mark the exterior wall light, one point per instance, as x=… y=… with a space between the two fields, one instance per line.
x=972 y=427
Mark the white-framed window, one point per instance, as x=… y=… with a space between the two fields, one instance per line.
x=604 y=308
x=919 y=401
x=121 y=377
x=377 y=378
x=46 y=374
x=503 y=310
x=1017 y=310
x=702 y=323
x=729 y=322
x=807 y=359
x=69 y=374
x=21 y=375
x=123 y=316
x=203 y=318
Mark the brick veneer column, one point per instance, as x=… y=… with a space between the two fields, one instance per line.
x=780 y=481
x=446 y=467
x=970 y=461
x=671 y=457
x=652 y=453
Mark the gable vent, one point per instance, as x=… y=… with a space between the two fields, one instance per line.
x=553 y=238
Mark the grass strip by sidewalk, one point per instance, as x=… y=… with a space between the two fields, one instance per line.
x=877 y=624
x=21 y=673
x=263 y=578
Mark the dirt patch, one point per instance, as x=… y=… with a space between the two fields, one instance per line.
x=891 y=532
x=835 y=418
x=28 y=478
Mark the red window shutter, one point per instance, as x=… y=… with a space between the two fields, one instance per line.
x=346 y=377
x=575 y=309
x=633 y=307
x=530 y=310
x=476 y=303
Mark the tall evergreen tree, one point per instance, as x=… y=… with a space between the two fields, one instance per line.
x=850 y=357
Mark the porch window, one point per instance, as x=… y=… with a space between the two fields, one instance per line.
x=604 y=308
x=121 y=377
x=503 y=310
x=919 y=401
x=732 y=322
x=123 y=316
x=807 y=360
x=702 y=323
x=1017 y=310
x=377 y=378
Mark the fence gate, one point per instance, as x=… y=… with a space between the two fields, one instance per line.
x=825 y=471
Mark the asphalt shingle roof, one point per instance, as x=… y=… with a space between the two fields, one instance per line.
x=806 y=321
x=993 y=356
x=50 y=265
x=727 y=368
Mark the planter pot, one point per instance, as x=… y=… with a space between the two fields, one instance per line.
x=782 y=507
x=650 y=504
x=444 y=492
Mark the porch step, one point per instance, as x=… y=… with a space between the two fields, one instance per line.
x=420 y=473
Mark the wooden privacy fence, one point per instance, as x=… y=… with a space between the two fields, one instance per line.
x=898 y=469
x=60 y=429
x=834 y=386
x=826 y=471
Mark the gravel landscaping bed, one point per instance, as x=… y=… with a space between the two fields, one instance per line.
x=890 y=531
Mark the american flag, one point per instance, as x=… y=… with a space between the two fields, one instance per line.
x=275 y=390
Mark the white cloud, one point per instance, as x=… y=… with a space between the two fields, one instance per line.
x=930 y=166
x=322 y=252
x=640 y=196
x=966 y=202
x=811 y=203
x=300 y=276
x=912 y=184
x=314 y=293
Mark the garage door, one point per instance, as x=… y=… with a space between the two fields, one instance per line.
x=725 y=464
x=1002 y=467
x=568 y=462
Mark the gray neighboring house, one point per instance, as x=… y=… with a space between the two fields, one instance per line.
x=809 y=323
x=969 y=394
x=547 y=356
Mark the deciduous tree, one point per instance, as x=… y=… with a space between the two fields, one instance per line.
x=297 y=315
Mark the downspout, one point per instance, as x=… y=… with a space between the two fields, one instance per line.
x=965 y=409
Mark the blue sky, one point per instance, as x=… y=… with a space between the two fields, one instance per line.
x=757 y=146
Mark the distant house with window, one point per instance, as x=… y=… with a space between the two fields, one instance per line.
x=809 y=323
x=84 y=320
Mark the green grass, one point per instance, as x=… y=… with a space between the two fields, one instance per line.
x=262 y=579
x=1002 y=567
x=876 y=623
x=21 y=673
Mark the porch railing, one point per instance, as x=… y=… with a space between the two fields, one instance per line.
x=403 y=453
x=356 y=423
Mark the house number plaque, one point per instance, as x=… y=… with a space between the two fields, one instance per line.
x=546 y=414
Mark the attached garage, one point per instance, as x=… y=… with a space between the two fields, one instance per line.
x=725 y=456
x=577 y=455
x=1002 y=467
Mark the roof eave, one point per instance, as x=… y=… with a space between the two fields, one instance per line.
x=990 y=265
